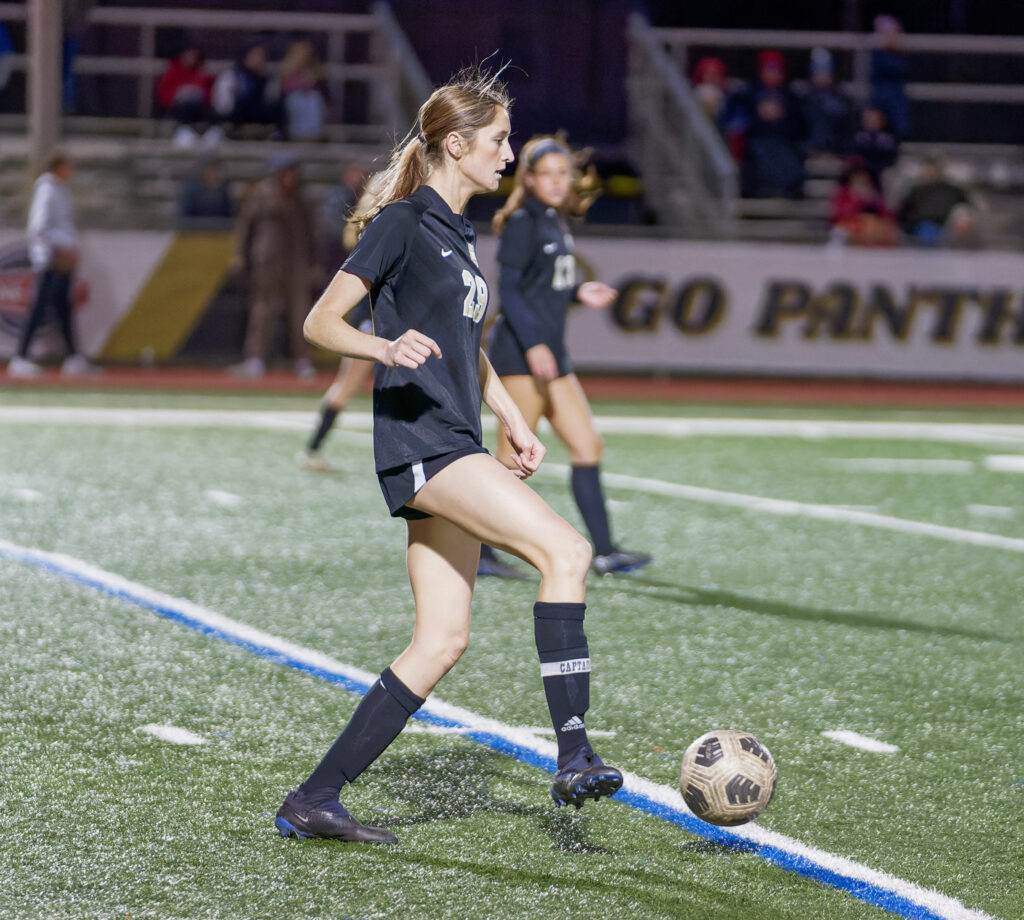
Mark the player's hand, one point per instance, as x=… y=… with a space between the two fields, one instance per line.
x=528 y=451
x=541 y=361
x=411 y=349
x=596 y=294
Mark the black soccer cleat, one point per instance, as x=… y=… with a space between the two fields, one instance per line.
x=619 y=560
x=329 y=821
x=574 y=787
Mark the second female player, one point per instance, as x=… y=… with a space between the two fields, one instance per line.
x=537 y=283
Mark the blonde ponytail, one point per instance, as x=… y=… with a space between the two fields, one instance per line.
x=464 y=105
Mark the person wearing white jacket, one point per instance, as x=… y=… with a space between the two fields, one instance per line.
x=53 y=246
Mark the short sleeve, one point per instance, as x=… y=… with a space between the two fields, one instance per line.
x=516 y=244
x=382 y=247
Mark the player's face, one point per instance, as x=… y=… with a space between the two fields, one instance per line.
x=489 y=153
x=550 y=179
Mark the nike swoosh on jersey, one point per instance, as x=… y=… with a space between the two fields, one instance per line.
x=550 y=247
x=446 y=252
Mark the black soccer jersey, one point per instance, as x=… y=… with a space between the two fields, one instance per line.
x=419 y=257
x=536 y=286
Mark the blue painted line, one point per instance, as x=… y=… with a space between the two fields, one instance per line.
x=791 y=862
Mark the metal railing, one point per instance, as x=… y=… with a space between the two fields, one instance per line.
x=689 y=176
x=395 y=81
x=859 y=45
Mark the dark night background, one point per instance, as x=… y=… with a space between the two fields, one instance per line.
x=569 y=56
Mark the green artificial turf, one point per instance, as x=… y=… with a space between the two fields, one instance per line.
x=782 y=625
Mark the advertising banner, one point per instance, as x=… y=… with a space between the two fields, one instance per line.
x=789 y=310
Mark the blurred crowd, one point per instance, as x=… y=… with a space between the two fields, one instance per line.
x=774 y=127
x=250 y=99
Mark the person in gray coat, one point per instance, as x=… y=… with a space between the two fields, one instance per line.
x=53 y=247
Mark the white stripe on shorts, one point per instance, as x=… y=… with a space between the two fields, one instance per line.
x=556 y=668
x=418 y=479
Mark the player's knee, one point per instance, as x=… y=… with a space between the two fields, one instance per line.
x=572 y=557
x=445 y=647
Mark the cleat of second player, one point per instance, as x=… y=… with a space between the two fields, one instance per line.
x=619 y=560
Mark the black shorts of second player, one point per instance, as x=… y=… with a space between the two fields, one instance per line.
x=508 y=359
x=401 y=483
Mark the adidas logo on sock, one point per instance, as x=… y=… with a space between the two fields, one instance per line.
x=573 y=725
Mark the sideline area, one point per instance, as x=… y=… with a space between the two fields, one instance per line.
x=665 y=389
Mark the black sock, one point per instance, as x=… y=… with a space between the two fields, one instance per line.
x=586 y=489
x=378 y=720
x=327 y=416
x=565 y=669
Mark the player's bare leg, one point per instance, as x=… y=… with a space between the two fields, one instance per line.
x=529 y=396
x=441 y=559
x=568 y=411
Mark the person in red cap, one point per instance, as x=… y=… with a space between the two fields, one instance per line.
x=765 y=130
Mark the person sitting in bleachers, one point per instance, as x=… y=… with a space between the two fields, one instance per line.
x=858 y=212
x=828 y=113
x=303 y=91
x=183 y=92
x=936 y=211
x=204 y=198
x=874 y=145
x=243 y=95
x=765 y=128
x=709 y=87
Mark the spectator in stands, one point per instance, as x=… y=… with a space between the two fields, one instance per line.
x=303 y=91
x=858 y=212
x=828 y=113
x=936 y=211
x=772 y=163
x=184 y=92
x=874 y=145
x=53 y=246
x=709 y=87
x=276 y=249
x=204 y=198
x=889 y=72
x=334 y=215
x=243 y=96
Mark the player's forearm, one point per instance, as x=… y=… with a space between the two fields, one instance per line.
x=494 y=394
x=326 y=327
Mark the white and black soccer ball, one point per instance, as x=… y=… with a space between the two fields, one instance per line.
x=727 y=777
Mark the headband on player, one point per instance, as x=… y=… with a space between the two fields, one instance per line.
x=545 y=147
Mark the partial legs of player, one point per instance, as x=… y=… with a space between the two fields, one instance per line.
x=563 y=402
x=351 y=376
x=474 y=498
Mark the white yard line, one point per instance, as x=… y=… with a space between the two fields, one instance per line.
x=897 y=895
x=173 y=734
x=861 y=742
x=1005 y=463
x=755 y=503
x=901 y=465
x=941 y=432
x=224 y=499
x=786 y=508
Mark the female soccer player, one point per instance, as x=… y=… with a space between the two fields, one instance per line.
x=416 y=259
x=536 y=285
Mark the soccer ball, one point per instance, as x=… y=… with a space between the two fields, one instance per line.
x=727 y=777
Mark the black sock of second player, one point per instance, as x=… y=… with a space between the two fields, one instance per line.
x=586 y=489
x=327 y=416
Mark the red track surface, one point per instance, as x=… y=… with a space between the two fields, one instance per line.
x=684 y=390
